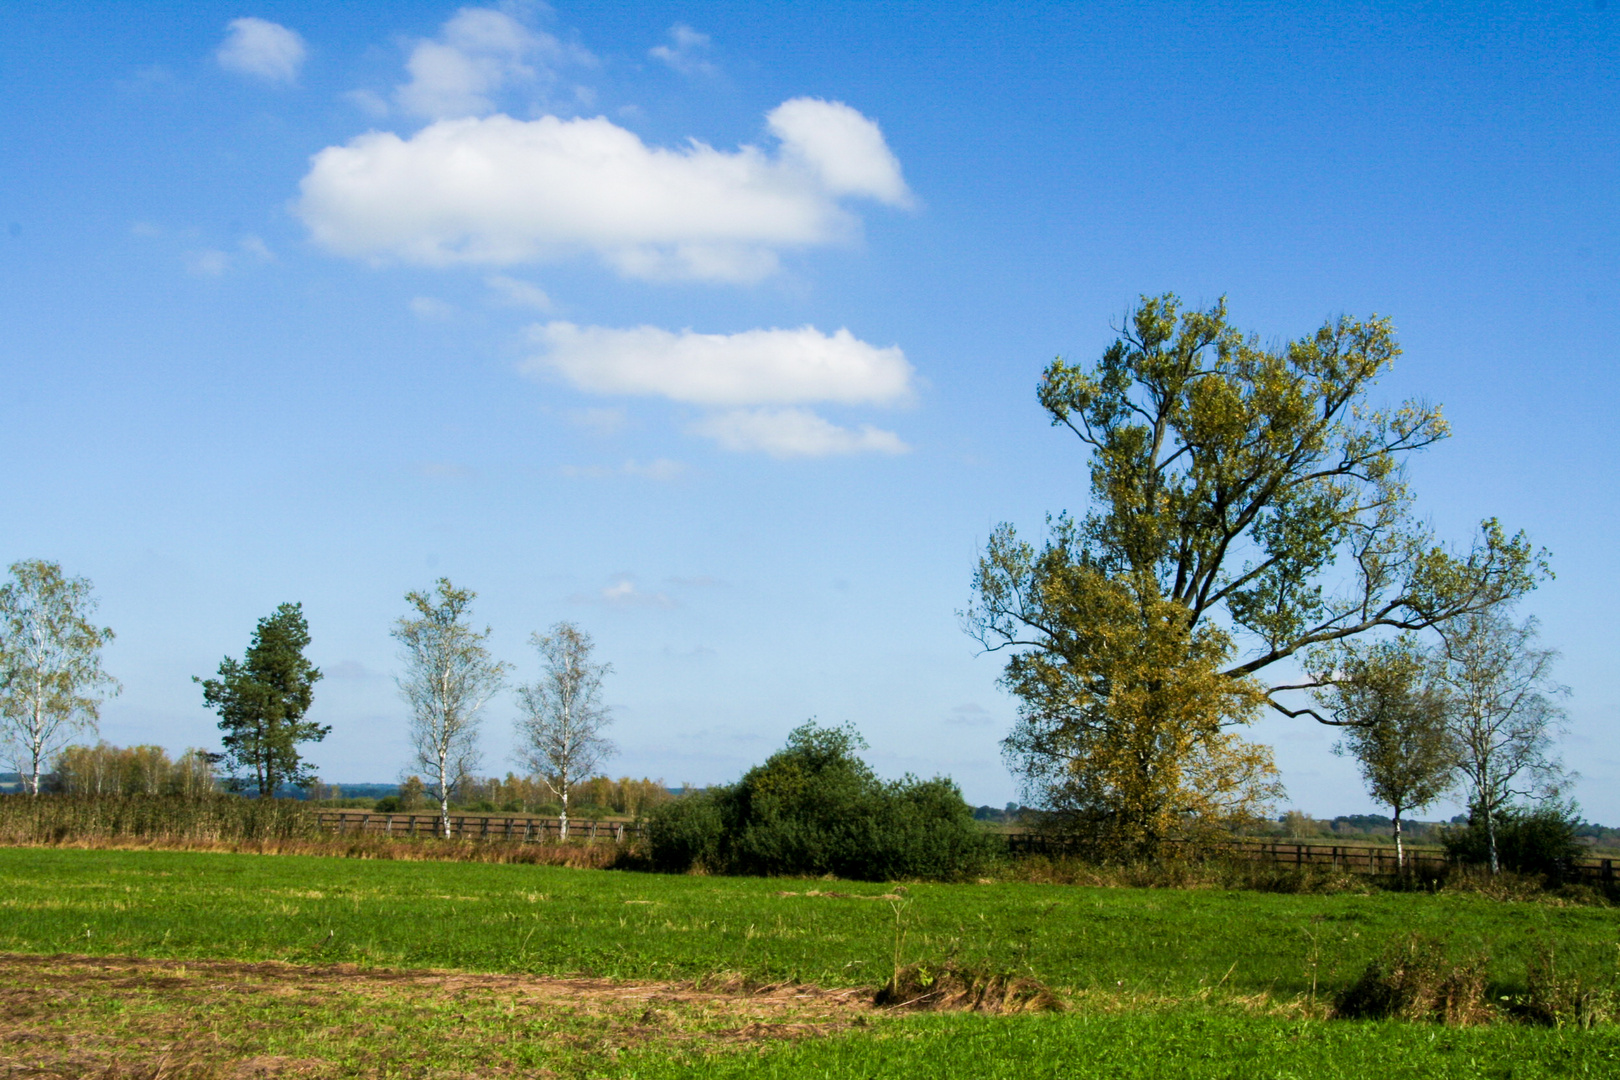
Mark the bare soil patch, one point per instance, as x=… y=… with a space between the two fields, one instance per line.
x=142 y=1019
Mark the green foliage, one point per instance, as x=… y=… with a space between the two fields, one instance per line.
x=51 y=680
x=1529 y=840
x=104 y=769
x=262 y=700
x=814 y=807
x=1230 y=484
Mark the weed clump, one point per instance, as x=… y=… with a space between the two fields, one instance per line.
x=961 y=988
x=1559 y=998
x=1416 y=979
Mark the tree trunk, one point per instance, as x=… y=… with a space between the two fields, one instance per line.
x=562 y=823
x=1400 y=854
x=1490 y=834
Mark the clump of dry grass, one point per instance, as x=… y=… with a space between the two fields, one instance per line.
x=1558 y=998
x=1416 y=979
x=597 y=856
x=1186 y=873
x=961 y=988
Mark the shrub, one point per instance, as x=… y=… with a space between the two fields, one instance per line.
x=1538 y=840
x=814 y=807
x=1415 y=979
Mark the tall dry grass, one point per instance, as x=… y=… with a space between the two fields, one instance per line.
x=257 y=826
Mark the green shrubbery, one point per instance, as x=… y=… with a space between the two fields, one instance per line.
x=1537 y=840
x=816 y=808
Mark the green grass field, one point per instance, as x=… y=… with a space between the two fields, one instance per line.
x=1162 y=983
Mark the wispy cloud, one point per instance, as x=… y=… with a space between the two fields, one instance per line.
x=263 y=50
x=519 y=293
x=687 y=51
x=479 y=53
x=794 y=433
x=754 y=367
x=623 y=592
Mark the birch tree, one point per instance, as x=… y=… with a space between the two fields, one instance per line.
x=51 y=680
x=1395 y=719
x=1503 y=715
x=563 y=715
x=449 y=676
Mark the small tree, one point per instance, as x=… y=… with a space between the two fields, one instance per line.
x=1395 y=725
x=1502 y=715
x=563 y=715
x=449 y=676
x=51 y=680
x=262 y=701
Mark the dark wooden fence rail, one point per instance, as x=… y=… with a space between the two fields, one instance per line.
x=532 y=830
x=1353 y=858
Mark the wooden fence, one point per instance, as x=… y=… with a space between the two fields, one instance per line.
x=518 y=827
x=1353 y=858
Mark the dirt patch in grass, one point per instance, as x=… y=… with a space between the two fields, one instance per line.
x=141 y=1019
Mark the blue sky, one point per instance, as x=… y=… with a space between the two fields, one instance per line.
x=740 y=375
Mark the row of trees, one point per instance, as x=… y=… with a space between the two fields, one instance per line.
x=1250 y=515
x=104 y=769
x=448 y=677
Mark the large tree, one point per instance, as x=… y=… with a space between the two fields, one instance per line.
x=1503 y=715
x=51 y=680
x=1395 y=718
x=263 y=700
x=560 y=732
x=1248 y=505
x=449 y=676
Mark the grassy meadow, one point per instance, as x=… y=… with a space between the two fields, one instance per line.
x=1159 y=982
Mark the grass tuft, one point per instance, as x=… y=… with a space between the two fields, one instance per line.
x=960 y=988
x=1416 y=979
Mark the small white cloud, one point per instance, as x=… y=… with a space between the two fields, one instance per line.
x=262 y=49
x=662 y=469
x=599 y=421
x=479 y=53
x=208 y=262
x=252 y=245
x=444 y=470
x=775 y=367
x=368 y=102
x=686 y=53
x=623 y=592
x=793 y=433
x=500 y=191
x=519 y=293
x=431 y=309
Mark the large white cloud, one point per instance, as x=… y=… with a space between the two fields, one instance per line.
x=263 y=49
x=479 y=52
x=755 y=367
x=501 y=191
x=788 y=433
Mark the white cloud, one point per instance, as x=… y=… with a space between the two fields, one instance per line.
x=755 y=367
x=208 y=263
x=431 y=309
x=685 y=53
x=479 y=53
x=790 y=433
x=263 y=49
x=519 y=293
x=623 y=592
x=500 y=191
x=658 y=469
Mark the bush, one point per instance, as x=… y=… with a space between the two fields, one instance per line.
x=1539 y=840
x=816 y=808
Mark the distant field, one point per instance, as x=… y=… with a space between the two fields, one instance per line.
x=1163 y=983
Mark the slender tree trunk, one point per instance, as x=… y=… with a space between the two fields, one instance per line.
x=1490 y=833
x=1400 y=854
x=444 y=799
x=562 y=822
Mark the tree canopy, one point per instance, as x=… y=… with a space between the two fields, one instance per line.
x=262 y=701
x=1248 y=504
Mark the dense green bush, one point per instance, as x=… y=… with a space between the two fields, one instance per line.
x=1529 y=840
x=815 y=807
